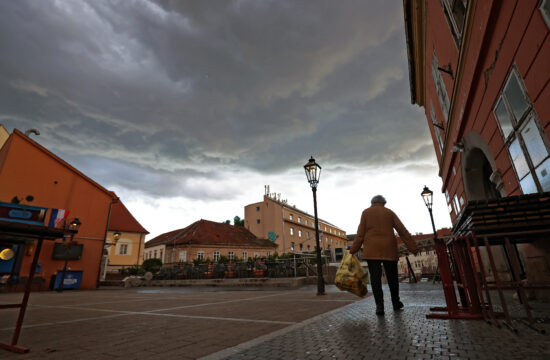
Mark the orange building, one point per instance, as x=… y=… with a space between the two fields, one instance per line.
x=27 y=168
x=292 y=229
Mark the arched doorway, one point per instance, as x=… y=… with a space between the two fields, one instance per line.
x=482 y=181
x=477 y=176
x=481 y=176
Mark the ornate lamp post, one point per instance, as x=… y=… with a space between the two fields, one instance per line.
x=427 y=195
x=313 y=173
x=106 y=252
x=73 y=228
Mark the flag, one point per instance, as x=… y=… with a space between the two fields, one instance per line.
x=58 y=215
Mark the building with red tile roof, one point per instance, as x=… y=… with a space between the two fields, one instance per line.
x=425 y=261
x=125 y=244
x=206 y=239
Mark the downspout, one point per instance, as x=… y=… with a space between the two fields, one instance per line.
x=141 y=237
x=283 y=220
x=105 y=238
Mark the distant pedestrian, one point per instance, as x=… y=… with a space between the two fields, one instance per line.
x=375 y=234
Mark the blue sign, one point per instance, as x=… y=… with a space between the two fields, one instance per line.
x=33 y=215
x=72 y=279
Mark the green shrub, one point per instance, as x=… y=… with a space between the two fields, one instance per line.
x=152 y=265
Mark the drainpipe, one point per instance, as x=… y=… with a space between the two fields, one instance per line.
x=105 y=239
x=283 y=220
x=141 y=237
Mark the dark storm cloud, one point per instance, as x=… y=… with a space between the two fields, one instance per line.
x=171 y=89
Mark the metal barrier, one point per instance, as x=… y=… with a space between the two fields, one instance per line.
x=298 y=265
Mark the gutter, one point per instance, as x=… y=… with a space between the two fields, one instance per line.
x=115 y=199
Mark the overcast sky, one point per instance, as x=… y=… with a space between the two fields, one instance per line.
x=188 y=108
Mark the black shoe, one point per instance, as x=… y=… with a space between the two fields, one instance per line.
x=379 y=309
x=397 y=306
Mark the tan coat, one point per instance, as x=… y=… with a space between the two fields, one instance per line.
x=376 y=235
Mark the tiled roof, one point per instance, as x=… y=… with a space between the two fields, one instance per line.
x=210 y=233
x=441 y=233
x=122 y=220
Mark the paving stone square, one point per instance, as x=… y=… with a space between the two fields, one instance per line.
x=208 y=324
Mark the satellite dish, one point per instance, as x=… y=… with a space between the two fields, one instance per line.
x=7 y=254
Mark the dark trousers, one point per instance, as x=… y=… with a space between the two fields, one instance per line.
x=375 y=270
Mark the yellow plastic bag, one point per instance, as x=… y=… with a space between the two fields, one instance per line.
x=351 y=276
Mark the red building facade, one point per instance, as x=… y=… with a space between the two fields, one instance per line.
x=481 y=71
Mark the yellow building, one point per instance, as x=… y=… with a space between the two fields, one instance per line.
x=292 y=229
x=4 y=135
x=125 y=242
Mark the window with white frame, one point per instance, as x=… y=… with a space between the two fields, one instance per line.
x=290 y=216
x=231 y=255
x=299 y=219
x=245 y=255
x=292 y=246
x=216 y=255
x=306 y=222
x=440 y=88
x=545 y=8
x=123 y=249
x=456 y=204
x=183 y=256
x=524 y=137
x=455 y=12
x=200 y=255
x=307 y=234
x=291 y=231
x=299 y=233
x=437 y=131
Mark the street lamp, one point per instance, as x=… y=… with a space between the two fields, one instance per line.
x=106 y=251
x=427 y=195
x=73 y=229
x=313 y=173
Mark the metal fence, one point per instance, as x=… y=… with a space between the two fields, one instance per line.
x=298 y=266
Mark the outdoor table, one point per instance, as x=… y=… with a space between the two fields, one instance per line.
x=505 y=222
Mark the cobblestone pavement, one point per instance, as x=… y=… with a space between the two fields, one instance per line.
x=355 y=332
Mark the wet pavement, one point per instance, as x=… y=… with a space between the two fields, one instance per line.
x=355 y=332
x=217 y=323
